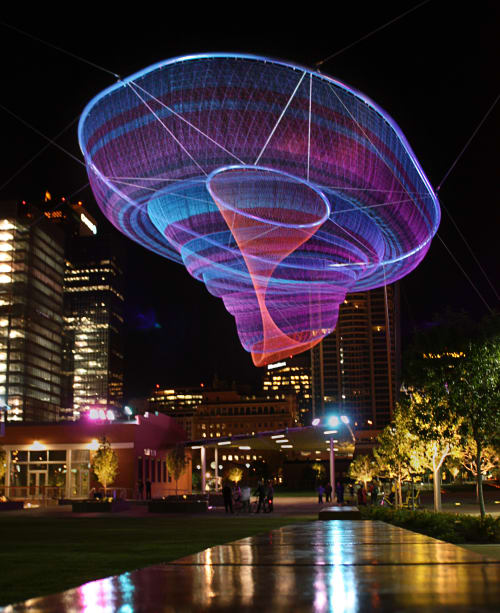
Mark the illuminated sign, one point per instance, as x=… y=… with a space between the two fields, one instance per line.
x=275 y=365
x=91 y=226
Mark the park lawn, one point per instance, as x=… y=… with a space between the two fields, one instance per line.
x=45 y=555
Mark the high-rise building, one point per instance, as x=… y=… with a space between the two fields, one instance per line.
x=291 y=376
x=31 y=313
x=93 y=320
x=356 y=369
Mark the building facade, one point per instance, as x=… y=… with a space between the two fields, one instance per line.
x=291 y=376
x=214 y=413
x=31 y=313
x=52 y=461
x=93 y=324
x=356 y=369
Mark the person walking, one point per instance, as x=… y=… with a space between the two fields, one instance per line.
x=261 y=493
x=321 y=491
x=227 y=494
x=328 y=492
x=148 y=489
x=245 y=498
x=339 y=491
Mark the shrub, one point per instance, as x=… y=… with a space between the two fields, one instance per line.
x=445 y=526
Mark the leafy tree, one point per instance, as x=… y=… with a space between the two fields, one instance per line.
x=490 y=458
x=438 y=431
x=462 y=381
x=363 y=469
x=176 y=462
x=3 y=462
x=474 y=394
x=319 y=471
x=105 y=463
x=399 y=454
x=235 y=474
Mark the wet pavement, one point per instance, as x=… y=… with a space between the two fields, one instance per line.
x=322 y=566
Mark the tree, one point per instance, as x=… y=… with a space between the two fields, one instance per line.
x=235 y=474
x=176 y=462
x=474 y=394
x=105 y=463
x=490 y=458
x=461 y=378
x=399 y=453
x=437 y=429
x=362 y=469
x=3 y=463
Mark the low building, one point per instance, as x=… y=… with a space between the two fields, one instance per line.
x=53 y=460
x=214 y=413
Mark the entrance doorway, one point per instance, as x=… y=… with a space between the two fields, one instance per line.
x=37 y=483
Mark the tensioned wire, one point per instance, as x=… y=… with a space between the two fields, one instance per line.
x=336 y=54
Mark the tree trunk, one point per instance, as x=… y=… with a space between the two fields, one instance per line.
x=479 y=479
x=437 y=489
x=412 y=494
x=399 y=493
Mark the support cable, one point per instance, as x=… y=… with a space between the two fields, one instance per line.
x=464 y=273
x=60 y=49
x=280 y=118
x=385 y=25
x=468 y=143
x=50 y=140
x=33 y=158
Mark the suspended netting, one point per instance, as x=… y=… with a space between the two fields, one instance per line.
x=280 y=188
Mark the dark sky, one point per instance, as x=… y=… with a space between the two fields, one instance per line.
x=434 y=71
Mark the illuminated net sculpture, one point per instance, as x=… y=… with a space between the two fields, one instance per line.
x=280 y=188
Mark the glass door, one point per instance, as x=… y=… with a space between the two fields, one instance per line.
x=37 y=483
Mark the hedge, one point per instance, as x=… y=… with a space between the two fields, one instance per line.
x=449 y=527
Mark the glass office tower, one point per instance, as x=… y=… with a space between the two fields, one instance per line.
x=31 y=310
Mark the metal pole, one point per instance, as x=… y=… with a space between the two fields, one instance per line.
x=332 y=468
x=203 y=469
x=216 y=459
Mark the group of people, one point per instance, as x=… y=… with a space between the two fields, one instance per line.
x=238 y=498
x=358 y=494
x=327 y=491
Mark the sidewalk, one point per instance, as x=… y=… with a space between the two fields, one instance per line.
x=334 y=566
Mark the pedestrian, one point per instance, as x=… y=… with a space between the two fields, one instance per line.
x=261 y=493
x=270 y=496
x=228 y=497
x=328 y=492
x=140 y=489
x=321 y=491
x=245 y=498
x=374 y=493
x=361 y=495
x=339 y=491
x=148 y=489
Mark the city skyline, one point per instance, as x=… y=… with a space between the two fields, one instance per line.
x=171 y=334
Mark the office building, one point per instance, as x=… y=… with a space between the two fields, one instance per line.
x=291 y=376
x=31 y=313
x=214 y=413
x=93 y=322
x=356 y=369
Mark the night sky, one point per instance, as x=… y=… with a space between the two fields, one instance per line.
x=435 y=71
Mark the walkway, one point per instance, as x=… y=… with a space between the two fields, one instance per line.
x=335 y=566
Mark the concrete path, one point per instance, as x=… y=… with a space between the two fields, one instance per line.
x=332 y=566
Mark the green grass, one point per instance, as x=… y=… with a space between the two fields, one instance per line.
x=295 y=494
x=42 y=555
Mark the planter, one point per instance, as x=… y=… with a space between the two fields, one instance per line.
x=94 y=506
x=11 y=505
x=178 y=506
